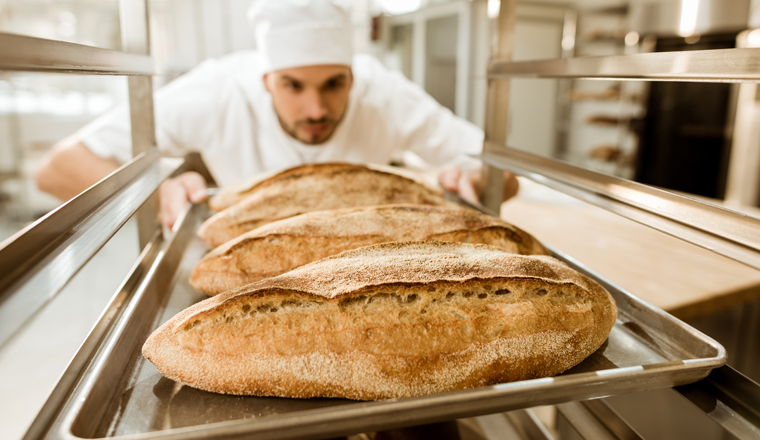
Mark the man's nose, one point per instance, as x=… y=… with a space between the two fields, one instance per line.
x=314 y=105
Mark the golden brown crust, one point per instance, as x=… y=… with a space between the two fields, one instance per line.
x=278 y=247
x=387 y=321
x=234 y=194
x=315 y=188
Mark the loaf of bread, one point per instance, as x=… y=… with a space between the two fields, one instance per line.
x=388 y=321
x=280 y=246
x=234 y=194
x=315 y=188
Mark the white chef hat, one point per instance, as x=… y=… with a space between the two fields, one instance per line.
x=295 y=33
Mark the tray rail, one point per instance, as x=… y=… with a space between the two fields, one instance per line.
x=18 y=269
x=100 y=404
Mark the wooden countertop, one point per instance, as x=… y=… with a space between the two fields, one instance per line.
x=683 y=279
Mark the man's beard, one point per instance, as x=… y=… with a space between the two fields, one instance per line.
x=314 y=139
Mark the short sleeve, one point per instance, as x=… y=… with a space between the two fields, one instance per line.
x=109 y=136
x=424 y=126
x=181 y=109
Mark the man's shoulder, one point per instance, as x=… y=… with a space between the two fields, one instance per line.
x=378 y=86
x=244 y=59
x=367 y=67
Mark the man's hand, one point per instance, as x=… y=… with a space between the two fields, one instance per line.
x=70 y=168
x=456 y=181
x=175 y=193
x=469 y=186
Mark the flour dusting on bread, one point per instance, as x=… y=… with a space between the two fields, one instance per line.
x=387 y=321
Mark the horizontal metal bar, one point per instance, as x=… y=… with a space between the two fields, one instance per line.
x=142 y=290
x=527 y=425
x=730 y=399
x=717 y=65
x=720 y=230
x=78 y=365
x=594 y=419
x=22 y=53
x=37 y=262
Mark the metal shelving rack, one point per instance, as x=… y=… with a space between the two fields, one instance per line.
x=36 y=263
x=40 y=259
x=726 y=396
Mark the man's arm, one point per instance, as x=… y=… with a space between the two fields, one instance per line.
x=70 y=168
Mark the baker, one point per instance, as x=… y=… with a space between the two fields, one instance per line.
x=302 y=97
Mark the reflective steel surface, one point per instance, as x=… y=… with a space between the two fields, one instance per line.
x=92 y=343
x=527 y=424
x=497 y=104
x=729 y=398
x=37 y=262
x=135 y=38
x=717 y=65
x=123 y=395
x=18 y=52
x=596 y=419
x=720 y=230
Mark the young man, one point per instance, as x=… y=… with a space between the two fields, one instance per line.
x=302 y=97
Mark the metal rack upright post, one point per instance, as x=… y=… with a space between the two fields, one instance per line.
x=726 y=396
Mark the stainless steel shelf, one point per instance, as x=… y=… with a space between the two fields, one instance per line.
x=729 y=398
x=38 y=261
x=720 y=230
x=719 y=65
x=22 y=53
x=116 y=393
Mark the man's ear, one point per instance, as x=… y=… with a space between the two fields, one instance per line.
x=265 y=80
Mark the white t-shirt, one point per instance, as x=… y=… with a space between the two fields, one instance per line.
x=221 y=110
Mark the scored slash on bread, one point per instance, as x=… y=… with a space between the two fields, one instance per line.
x=278 y=247
x=388 y=321
x=316 y=188
x=234 y=194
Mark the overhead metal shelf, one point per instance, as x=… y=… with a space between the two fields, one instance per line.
x=718 y=65
x=720 y=230
x=22 y=53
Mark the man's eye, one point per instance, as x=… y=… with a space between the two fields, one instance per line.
x=293 y=86
x=333 y=84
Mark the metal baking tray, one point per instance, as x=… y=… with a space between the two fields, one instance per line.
x=122 y=395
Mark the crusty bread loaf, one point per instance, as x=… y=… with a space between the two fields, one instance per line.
x=234 y=194
x=387 y=321
x=315 y=188
x=278 y=247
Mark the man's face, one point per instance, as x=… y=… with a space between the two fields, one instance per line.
x=310 y=101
